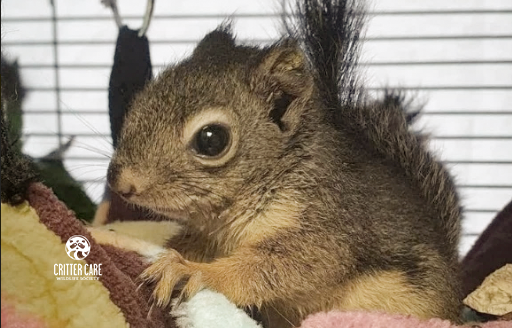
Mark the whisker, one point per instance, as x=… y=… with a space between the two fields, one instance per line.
x=291 y=323
x=202 y=190
x=86 y=175
x=86 y=165
x=199 y=208
x=85 y=122
x=180 y=200
x=89 y=188
x=78 y=171
x=92 y=149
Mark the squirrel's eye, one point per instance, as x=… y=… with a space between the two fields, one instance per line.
x=211 y=140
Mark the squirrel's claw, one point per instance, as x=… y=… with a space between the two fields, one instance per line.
x=167 y=272
x=194 y=284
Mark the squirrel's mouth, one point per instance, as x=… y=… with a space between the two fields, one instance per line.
x=196 y=212
x=179 y=215
x=172 y=213
x=173 y=205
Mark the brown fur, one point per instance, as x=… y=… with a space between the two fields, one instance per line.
x=388 y=290
x=101 y=215
x=305 y=215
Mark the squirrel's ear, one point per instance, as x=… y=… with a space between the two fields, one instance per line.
x=286 y=82
x=215 y=42
x=285 y=64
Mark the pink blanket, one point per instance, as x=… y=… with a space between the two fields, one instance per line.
x=381 y=320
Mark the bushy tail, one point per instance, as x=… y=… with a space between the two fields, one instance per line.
x=330 y=31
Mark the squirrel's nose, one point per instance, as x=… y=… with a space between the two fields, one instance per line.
x=126 y=190
x=121 y=181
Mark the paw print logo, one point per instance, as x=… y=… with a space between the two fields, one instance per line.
x=78 y=247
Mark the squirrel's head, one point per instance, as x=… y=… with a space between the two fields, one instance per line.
x=218 y=125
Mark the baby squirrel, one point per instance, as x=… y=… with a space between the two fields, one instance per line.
x=295 y=194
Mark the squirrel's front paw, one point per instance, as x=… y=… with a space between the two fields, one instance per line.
x=168 y=270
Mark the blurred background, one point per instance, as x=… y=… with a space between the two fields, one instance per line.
x=455 y=56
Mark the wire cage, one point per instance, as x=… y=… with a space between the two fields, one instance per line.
x=455 y=56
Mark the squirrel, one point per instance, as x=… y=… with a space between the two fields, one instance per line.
x=295 y=193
